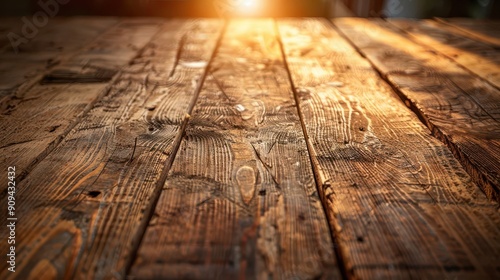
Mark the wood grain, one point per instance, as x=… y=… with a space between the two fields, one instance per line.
x=45 y=50
x=36 y=120
x=487 y=31
x=398 y=202
x=54 y=36
x=86 y=205
x=34 y=125
x=240 y=200
x=461 y=109
x=481 y=59
x=104 y=57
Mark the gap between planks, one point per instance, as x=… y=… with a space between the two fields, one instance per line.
x=485 y=178
x=460 y=27
x=338 y=252
x=29 y=84
x=443 y=206
x=478 y=58
x=108 y=114
x=177 y=141
x=146 y=261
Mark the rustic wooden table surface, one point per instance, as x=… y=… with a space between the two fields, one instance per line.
x=252 y=149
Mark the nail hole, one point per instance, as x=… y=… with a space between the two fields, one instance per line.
x=94 y=193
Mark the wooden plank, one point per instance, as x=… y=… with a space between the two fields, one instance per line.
x=399 y=203
x=486 y=31
x=101 y=60
x=19 y=71
x=85 y=207
x=481 y=59
x=37 y=123
x=240 y=200
x=461 y=110
x=34 y=122
x=54 y=37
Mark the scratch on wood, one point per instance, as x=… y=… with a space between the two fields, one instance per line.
x=133 y=151
x=266 y=166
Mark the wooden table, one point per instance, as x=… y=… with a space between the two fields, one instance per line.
x=252 y=149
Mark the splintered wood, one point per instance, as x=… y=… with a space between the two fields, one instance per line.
x=252 y=149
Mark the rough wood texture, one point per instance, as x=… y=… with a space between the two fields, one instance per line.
x=54 y=36
x=398 y=201
x=461 y=110
x=34 y=125
x=85 y=207
x=240 y=200
x=45 y=50
x=481 y=59
x=480 y=30
x=103 y=58
x=35 y=121
x=174 y=170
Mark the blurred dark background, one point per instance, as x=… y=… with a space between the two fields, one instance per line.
x=278 y=8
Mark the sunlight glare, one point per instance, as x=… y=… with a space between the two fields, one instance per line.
x=249 y=3
x=245 y=5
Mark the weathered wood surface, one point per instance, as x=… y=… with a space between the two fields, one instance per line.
x=53 y=37
x=47 y=48
x=241 y=196
x=240 y=201
x=481 y=30
x=460 y=109
x=85 y=206
x=399 y=202
x=32 y=126
x=103 y=58
x=36 y=120
x=481 y=59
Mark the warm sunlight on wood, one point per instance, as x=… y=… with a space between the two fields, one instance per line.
x=249 y=3
x=249 y=6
